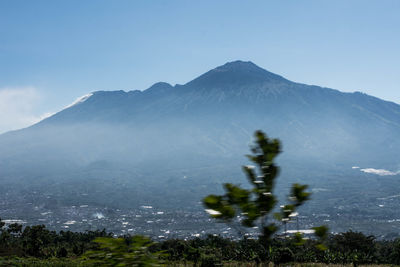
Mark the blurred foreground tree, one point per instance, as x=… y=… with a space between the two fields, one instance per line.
x=255 y=205
x=120 y=251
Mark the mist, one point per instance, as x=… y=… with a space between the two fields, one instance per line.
x=168 y=146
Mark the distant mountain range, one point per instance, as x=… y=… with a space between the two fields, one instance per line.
x=199 y=132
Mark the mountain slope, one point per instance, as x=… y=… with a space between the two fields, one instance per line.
x=219 y=111
x=141 y=143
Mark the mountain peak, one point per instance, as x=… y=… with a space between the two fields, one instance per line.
x=240 y=65
x=159 y=88
x=236 y=73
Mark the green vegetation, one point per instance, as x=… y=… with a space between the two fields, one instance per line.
x=38 y=246
x=256 y=205
x=39 y=242
x=345 y=248
x=36 y=262
x=123 y=252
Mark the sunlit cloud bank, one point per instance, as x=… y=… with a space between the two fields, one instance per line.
x=380 y=172
x=17 y=108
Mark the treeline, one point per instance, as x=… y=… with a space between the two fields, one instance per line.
x=40 y=242
x=344 y=248
x=349 y=247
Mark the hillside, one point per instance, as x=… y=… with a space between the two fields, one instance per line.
x=126 y=149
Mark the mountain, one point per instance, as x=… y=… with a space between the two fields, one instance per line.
x=179 y=142
x=216 y=114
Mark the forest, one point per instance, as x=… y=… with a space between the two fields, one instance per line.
x=38 y=246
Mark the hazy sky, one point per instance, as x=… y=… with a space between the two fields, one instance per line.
x=52 y=52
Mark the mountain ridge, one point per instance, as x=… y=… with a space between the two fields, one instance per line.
x=178 y=142
x=204 y=105
x=272 y=82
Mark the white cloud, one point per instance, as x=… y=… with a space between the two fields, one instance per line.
x=380 y=172
x=17 y=108
x=79 y=100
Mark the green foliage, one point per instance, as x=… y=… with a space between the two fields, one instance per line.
x=64 y=249
x=35 y=262
x=322 y=233
x=123 y=252
x=255 y=205
x=298 y=239
x=208 y=260
x=37 y=241
x=34 y=239
x=14 y=228
x=283 y=255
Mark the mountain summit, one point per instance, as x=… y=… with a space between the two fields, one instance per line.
x=125 y=148
x=236 y=73
x=220 y=109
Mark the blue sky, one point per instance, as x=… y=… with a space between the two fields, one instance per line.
x=52 y=52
